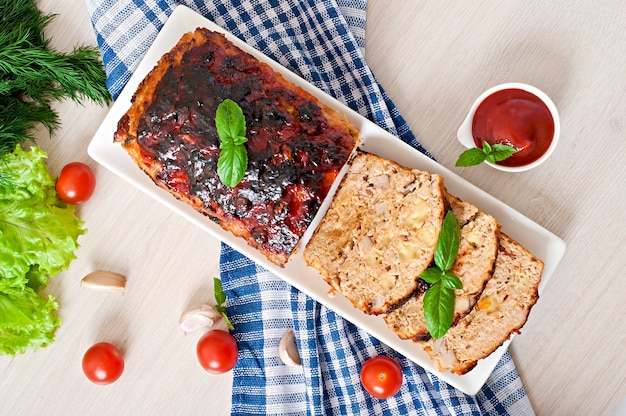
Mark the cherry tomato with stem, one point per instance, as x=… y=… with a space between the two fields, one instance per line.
x=217 y=351
x=381 y=377
x=103 y=363
x=76 y=183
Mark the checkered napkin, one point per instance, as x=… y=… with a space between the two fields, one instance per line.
x=322 y=41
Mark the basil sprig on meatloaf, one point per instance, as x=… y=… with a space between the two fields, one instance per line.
x=439 y=298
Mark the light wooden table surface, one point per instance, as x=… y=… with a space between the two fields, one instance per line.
x=434 y=59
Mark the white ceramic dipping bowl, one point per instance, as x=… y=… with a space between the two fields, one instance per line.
x=464 y=133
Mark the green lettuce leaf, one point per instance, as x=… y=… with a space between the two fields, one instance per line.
x=27 y=321
x=38 y=236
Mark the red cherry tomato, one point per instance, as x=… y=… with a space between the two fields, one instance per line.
x=381 y=377
x=217 y=351
x=76 y=183
x=103 y=363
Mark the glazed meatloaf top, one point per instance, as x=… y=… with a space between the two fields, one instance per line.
x=501 y=310
x=473 y=265
x=296 y=144
x=379 y=233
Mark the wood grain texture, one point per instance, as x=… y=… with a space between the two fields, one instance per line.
x=433 y=59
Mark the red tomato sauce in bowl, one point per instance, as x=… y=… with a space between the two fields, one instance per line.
x=516 y=118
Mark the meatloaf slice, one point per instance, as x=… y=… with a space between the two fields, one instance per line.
x=501 y=310
x=473 y=266
x=379 y=233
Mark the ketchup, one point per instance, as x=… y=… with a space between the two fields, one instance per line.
x=516 y=118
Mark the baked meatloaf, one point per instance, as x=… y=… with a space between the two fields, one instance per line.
x=379 y=233
x=473 y=265
x=501 y=310
x=296 y=144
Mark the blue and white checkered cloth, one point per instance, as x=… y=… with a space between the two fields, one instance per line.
x=323 y=41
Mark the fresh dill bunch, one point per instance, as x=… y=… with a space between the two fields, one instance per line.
x=17 y=121
x=44 y=74
x=15 y=15
x=33 y=74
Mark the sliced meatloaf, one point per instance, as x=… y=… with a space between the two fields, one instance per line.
x=501 y=310
x=473 y=265
x=379 y=233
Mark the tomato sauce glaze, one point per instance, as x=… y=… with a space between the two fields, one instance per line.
x=294 y=154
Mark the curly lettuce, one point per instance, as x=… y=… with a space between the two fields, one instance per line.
x=38 y=236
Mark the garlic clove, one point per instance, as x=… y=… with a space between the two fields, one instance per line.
x=105 y=280
x=288 y=350
x=198 y=317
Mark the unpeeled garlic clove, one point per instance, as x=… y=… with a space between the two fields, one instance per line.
x=288 y=350
x=198 y=317
x=105 y=280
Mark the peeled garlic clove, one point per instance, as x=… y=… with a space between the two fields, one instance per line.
x=104 y=280
x=198 y=317
x=288 y=350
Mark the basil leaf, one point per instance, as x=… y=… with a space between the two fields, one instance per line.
x=220 y=296
x=239 y=140
x=490 y=153
x=231 y=165
x=448 y=242
x=439 y=298
x=432 y=275
x=471 y=157
x=231 y=129
x=438 y=309
x=451 y=281
x=229 y=120
x=502 y=151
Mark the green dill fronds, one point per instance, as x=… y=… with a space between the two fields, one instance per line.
x=33 y=74
x=18 y=118
x=20 y=16
x=48 y=74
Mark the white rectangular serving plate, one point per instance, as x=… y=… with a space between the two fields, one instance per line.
x=539 y=241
